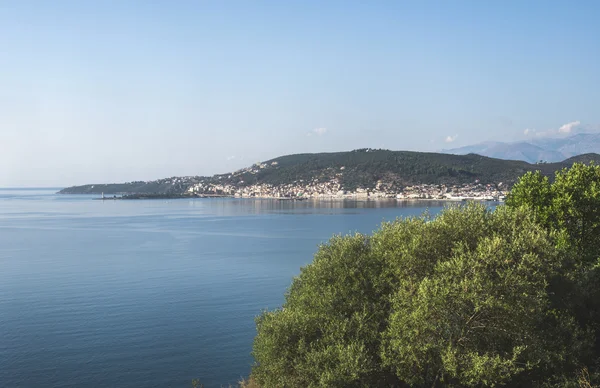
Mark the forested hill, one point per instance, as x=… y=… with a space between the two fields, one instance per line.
x=353 y=169
x=175 y=185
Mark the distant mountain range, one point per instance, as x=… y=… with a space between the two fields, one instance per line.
x=535 y=150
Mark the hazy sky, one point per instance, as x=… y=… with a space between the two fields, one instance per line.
x=107 y=91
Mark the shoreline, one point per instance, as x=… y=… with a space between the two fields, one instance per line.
x=288 y=199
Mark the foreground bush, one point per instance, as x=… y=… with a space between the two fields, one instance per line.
x=470 y=298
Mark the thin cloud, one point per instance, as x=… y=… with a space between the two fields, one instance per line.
x=231 y=157
x=317 y=132
x=565 y=129
x=534 y=133
x=450 y=139
x=568 y=127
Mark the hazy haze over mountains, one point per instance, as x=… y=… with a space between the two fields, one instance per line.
x=536 y=149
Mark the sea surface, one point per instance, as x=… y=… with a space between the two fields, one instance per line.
x=152 y=293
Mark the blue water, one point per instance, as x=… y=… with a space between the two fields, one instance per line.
x=152 y=293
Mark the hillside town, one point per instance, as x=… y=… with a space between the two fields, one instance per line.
x=333 y=190
x=357 y=174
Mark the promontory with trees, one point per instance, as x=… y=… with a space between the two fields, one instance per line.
x=471 y=298
x=362 y=173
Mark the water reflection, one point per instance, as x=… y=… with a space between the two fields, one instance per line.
x=265 y=206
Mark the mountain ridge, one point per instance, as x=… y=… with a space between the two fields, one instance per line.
x=549 y=149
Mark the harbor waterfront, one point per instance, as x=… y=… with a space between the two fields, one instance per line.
x=153 y=293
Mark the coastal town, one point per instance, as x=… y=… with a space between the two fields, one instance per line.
x=332 y=189
x=363 y=174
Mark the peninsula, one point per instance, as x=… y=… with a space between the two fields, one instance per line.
x=362 y=174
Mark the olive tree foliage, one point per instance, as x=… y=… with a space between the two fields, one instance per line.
x=569 y=208
x=570 y=204
x=464 y=299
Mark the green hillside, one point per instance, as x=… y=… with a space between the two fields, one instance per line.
x=161 y=186
x=365 y=167
x=359 y=168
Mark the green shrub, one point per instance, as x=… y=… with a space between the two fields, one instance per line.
x=471 y=298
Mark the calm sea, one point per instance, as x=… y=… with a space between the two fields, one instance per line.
x=152 y=293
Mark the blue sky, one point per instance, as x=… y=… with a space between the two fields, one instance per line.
x=108 y=91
